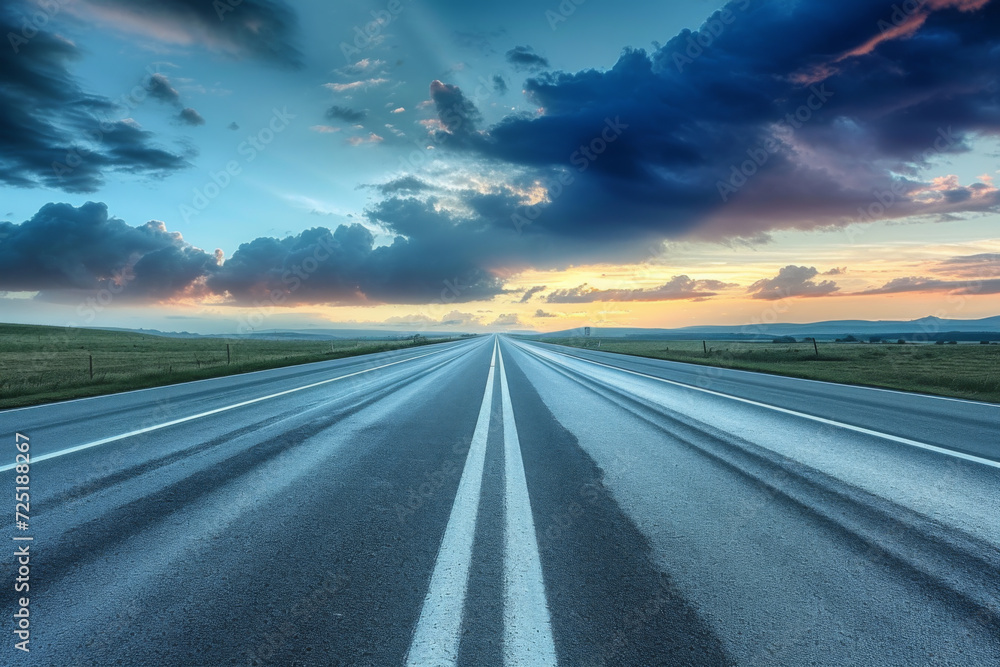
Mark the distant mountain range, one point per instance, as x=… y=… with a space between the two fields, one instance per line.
x=932 y=328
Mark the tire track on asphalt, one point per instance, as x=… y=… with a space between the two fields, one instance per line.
x=611 y=605
x=955 y=566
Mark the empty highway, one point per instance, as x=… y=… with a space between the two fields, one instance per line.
x=499 y=502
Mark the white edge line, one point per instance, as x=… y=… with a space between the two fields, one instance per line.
x=174 y=422
x=821 y=420
x=653 y=360
x=527 y=621
x=437 y=636
x=221 y=377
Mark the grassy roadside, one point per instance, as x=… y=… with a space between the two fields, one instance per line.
x=959 y=371
x=45 y=364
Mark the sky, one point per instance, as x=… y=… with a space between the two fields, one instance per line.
x=225 y=166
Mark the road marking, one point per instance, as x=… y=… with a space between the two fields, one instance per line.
x=527 y=637
x=291 y=368
x=174 y=422
x=864 y=387
x=803 y=415
x=436 y=638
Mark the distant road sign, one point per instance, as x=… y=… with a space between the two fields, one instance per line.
x=586 y=331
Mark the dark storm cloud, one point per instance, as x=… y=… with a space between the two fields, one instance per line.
x=159 y=87
x=482 y=233
x=263 y=29
x=169 y=271
x=54 y=134
x=531 y=292
x=344 y=266
x=403 y=184
x=268 y=265
x=524 y=58
x=347 y=114
x=191 y=117
x=678 y=288
x=839 y=126
x=457 y=114
x=984 y=265
x=468 y=238
x=922 y=284
x=470 y=235
x=792 y=281
x=63 y=249
x=409 y=217
x=127 y=147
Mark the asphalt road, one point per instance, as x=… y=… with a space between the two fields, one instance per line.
x=496 y=502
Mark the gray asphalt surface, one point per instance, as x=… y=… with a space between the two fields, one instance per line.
x=371 y=511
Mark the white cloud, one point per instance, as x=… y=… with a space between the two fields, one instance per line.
x=355 y=85
x=372 y=138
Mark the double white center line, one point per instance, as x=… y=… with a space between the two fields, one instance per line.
x=527 y=635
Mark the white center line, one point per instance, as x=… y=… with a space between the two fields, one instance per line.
x=850 y=427
x=436 y=638
x=527 y=638
x=174 y=422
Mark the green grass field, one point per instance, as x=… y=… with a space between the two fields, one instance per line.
x=962 y=371
x=44 y=364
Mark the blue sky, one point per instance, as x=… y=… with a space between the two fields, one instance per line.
x=644 y=163
x=461 y=42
